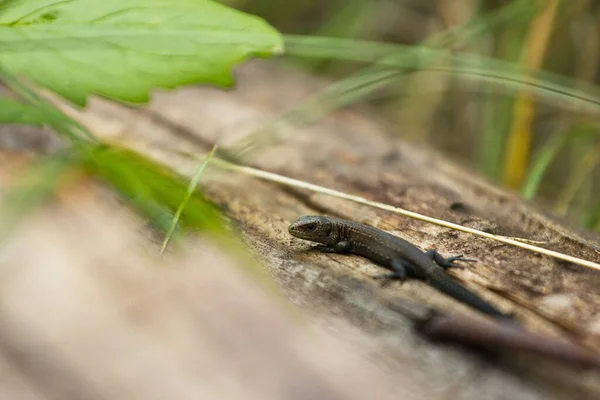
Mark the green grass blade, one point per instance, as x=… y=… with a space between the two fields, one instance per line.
x=45 y=111
x=505 y=75
x=549 y=152
x=191 y=189
x=581 y=172
x=14 y=112
x=592 y=220
x=513 y=13
x=153 y=189
x=397 y=61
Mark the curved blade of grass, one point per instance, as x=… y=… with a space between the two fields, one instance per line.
x=190 y=190
x=315 y=107
x=579 y=174
x=415 y=112
x=510 y=14
x=62 y=123
x=547 y=85
x=153 y=189
x=156 y=192
x=140 y=195
x=593 y=218
x=14 y=112
x=350 y=20
x=549 y=152
x=395 y=61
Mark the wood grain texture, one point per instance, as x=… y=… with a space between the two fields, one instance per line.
x=347 y=151
x=92 y=313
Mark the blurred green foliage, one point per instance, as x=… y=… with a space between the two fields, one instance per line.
x=557 y=41
x=509 y=87
x=140 y=45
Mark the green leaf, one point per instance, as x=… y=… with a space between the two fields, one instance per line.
x=123 y=48
x=13 y=112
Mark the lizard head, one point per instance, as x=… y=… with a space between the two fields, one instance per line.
x=313 y=228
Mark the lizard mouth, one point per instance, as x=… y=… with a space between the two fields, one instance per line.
x=299 y=230
x=295 y=231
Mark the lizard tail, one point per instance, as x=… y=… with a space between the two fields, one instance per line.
x=443 y=282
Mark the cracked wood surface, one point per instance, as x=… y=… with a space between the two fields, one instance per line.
x=349 y=152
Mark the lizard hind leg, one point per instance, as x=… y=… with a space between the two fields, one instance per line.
x=402 y=269
x=446 y=262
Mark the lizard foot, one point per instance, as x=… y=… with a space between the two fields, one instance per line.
x=388 y=278
x=447 y=262
x=322 y=248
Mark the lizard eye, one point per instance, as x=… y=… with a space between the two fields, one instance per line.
x=310 y=227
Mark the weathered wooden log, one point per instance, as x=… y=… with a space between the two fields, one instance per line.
x=132 y=329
